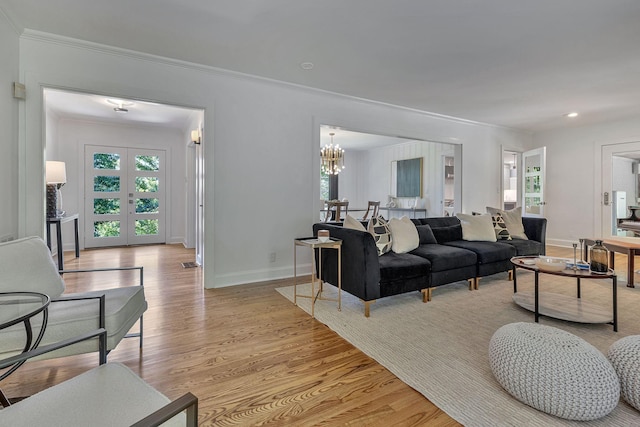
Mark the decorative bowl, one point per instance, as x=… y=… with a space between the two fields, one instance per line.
x=551 y=264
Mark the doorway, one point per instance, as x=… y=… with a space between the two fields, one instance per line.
x=75 y=120
x=125 y=201
x=510 y=179
x=620 y=189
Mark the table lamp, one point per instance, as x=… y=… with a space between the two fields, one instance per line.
x=56 y=177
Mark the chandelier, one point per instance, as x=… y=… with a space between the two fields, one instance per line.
x=332 y=158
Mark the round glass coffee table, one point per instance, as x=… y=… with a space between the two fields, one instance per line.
x=561 y=306
x=16 y=308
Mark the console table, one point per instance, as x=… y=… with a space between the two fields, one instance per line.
x=414 y=210
x=58 y=221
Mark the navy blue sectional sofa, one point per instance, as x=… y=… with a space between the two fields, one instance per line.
x=442 y=257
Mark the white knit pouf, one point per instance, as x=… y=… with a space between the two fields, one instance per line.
x=554 y=371
x=624 y=355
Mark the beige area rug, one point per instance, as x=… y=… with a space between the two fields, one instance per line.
x=441 y=348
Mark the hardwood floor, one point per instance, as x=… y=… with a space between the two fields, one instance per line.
x=250 y=355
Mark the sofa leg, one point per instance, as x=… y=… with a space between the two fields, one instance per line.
x=367 y=307
x=426 y=294
x=476 y=283
x=511 y=275
x=472 y=284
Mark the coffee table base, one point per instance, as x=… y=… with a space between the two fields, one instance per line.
x=564 y=307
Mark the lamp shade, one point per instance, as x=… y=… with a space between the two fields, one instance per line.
x=56 y=173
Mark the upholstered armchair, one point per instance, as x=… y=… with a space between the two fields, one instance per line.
x=26 y=265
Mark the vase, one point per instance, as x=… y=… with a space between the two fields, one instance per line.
x=599 y=256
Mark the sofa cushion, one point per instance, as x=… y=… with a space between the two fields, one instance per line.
x=123 y=308
x=379 y=229
x=26 y=265
x=513 y=221
x=447 y=234
x=425 y=234
x=353 y=224
x=525 y=247
x=500 y=227
x=395 y=266
x=443 y=257
x=404 y=236
x=477 y=227
x=487 y=252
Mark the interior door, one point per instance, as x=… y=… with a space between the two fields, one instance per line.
x=533 y=182
x=124 y=196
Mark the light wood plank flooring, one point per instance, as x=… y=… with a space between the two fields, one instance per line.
x=250 y=355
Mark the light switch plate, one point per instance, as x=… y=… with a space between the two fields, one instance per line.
x=19 y=91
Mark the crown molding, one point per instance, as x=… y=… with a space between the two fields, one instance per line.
x=12 y=23
x=29 y=34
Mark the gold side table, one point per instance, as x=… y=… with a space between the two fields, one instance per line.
x=313 y=243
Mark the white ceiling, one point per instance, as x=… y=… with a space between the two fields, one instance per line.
x=517 y=63
x=98 y=107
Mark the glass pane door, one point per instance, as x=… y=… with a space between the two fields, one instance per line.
x=124 y=194
x=533 y=163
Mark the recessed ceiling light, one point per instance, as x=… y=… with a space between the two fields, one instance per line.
x=306 y=65
x=571 y=115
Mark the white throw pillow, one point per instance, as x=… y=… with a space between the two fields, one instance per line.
x=477 y=227
x=404 y=235
x=512 y=220
x=352 y=223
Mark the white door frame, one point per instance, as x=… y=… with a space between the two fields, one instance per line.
x=604 y=185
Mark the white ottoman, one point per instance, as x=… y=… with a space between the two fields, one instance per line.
x=624 y=355
x=554 y=371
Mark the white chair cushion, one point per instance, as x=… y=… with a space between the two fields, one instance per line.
x=109 y=395
x=26 y=265
x=123 y=307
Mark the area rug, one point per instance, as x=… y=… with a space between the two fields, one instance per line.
x=441 y=348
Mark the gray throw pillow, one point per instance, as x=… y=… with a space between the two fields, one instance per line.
x=425 y=234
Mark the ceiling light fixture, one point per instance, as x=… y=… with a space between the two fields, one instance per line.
x=571 y=115
x=332 y=158
x=120 y=105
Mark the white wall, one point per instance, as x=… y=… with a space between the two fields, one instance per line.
x=368 y=174
x=72 y=136
x=9 y=50
x=261 y=156
x=573 y=191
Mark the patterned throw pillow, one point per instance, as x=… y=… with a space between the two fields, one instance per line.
x=379 y=229
x=500 y=227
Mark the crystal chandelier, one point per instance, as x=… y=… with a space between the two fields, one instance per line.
x=332 y=158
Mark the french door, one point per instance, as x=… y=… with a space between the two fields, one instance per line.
x=124 y=196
